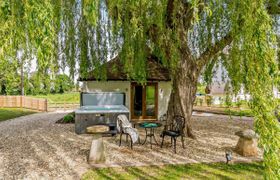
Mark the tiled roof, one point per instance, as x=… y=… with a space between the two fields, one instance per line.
x=115 y=71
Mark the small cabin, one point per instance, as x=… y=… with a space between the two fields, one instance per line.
x=145 y=102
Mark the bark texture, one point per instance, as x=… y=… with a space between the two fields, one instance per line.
x=183 y=93
x=185 y=76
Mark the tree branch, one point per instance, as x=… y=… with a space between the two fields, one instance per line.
x=169 y=14
x=213 y=50
x=273 y=7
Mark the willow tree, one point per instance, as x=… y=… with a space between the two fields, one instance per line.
x=188 y=36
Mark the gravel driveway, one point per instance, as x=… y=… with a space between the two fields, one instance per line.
x=35 y=147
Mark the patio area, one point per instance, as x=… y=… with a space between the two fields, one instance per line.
x=35 y=146
x=215 y=135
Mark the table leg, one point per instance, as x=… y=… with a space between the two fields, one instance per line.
x=151 y=134
x=145 y=137
x=154 y=136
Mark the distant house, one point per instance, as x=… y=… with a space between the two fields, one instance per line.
x=144 y=102
x=220 y=78
x=218 y=89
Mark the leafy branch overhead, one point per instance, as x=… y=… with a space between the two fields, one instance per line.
x=186 y=36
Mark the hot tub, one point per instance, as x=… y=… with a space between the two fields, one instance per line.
x=100 y=109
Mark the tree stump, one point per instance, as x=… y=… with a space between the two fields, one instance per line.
x=97 y=150
x=248 y=143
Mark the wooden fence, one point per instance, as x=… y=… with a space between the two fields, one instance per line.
x=62 y=106
x=24 y=102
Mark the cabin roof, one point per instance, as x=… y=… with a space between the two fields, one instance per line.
x=115 y=71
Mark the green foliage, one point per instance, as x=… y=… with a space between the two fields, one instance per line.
x=228 y=101
x=209 y=100
x=10 y=113
x=252 y=63
x=189 y=171
x=201 y=88
x=9 y=79
x=181 y=34
x=277 y=113
x=10 y=84
x=200 y=100
x=63 y=83
x=73 y=97
x=238 y=102
x=69 y=118
x=240 y=113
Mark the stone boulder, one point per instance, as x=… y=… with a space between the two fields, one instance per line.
x=248 y=143
x=247 y=134
x=96 y=129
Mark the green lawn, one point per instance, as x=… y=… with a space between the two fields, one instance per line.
x=73 y=97
x=191 y=171
x=234 y=112
x=10 y=113
x=224 y=111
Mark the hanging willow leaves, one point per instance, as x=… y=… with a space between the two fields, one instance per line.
x=189 y=37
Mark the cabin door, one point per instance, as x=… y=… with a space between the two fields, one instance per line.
x=144 y=101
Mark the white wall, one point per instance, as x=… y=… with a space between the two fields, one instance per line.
x=217 y=88
x=164 y=90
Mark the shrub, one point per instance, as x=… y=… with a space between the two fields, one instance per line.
x=69 y=118
x=238 y=102
x=200 y=101
x=209 y=100
x=228 y=101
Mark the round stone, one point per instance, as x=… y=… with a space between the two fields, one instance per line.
x=247 y=134
x=97 y=129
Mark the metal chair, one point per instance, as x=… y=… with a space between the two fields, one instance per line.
x=174 y=130
x=123 y=132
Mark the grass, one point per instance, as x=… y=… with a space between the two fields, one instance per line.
x=190 y=171
x=234 y=112
x=73 y=97
x=225 y=111
x=10 y=113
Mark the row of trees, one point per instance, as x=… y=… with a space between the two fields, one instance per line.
x=11 y=85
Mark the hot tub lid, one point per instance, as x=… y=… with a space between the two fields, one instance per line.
x=101 y=109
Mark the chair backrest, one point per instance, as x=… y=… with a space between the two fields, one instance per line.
x=122 y=121
x=119 y=125
x=178 y=124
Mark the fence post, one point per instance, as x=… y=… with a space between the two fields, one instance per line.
x=21 y=101
x=38 y=105
x=46 y=105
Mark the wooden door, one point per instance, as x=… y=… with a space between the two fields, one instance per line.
x=144 y=101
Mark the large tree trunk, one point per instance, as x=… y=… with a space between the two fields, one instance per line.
x=182 y=97
x=185 y=77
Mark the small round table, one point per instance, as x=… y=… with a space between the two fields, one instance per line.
x=152 y=126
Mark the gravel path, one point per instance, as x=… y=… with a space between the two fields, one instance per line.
x=35 y=147
x=215 y=135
